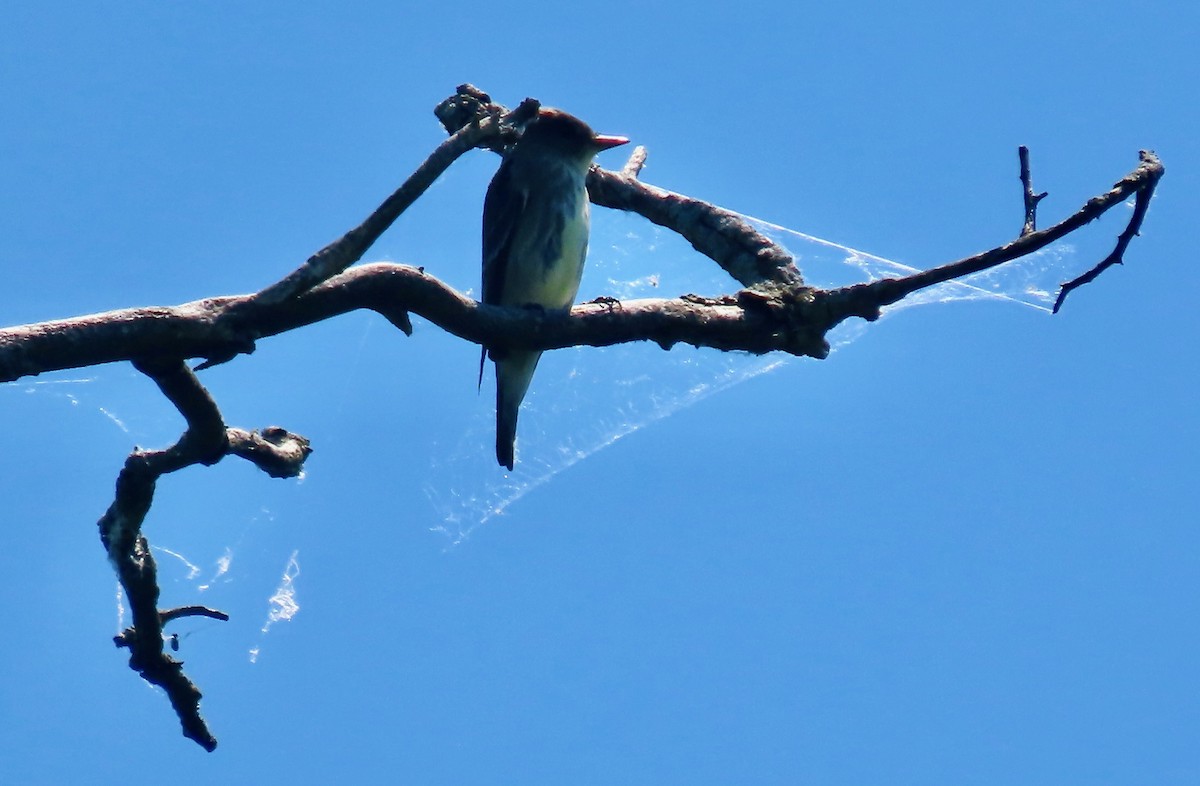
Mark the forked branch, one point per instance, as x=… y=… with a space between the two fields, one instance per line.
x=774 y=310
x=206 y=441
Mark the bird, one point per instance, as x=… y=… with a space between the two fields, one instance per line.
x=535 y=237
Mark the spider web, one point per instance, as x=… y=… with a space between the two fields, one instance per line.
x=584 y=399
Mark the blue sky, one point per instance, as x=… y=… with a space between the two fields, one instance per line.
x=963 y=549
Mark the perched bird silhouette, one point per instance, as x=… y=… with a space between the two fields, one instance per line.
x=535 y=237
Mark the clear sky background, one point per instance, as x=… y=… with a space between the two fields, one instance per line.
x=964 y=549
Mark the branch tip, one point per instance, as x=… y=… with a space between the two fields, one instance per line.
x=1142 y=182
x=637 y=161
x=1031 y=199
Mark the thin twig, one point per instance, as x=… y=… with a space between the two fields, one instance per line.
x=866 y=300
x=637 y=161
x=348 y=249
x=1031 y=199
x=1153 y=169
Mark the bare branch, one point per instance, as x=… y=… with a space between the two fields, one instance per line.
x=776 y=311
x=205 y=441
x=721 y=235
x=866 y=300
x=486 y=127
x=1031 y=199
x=138 y=574
x=198 y=329
x=129 y=552
x=469 y=103
x=637 y=160
x=276 y=451
x=1150 y=171
x=192 y=611
x=793 y=323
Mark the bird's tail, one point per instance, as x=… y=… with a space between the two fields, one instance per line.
x=513 y=375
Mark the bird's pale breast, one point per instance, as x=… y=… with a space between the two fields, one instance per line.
x=546 y=263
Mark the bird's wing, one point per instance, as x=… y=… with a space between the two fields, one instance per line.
x=502 y=209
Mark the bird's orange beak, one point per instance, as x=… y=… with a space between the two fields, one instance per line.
x=604 y=142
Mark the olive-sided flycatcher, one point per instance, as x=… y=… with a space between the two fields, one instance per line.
x=535 y=237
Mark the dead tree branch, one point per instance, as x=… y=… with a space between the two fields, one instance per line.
x=1147 y=175
x=206 y=441
x=1140 y=182
x=1031 y=199
x=486 y=128
x=773 y=311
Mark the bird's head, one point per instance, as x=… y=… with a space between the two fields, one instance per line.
x=559 y=131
